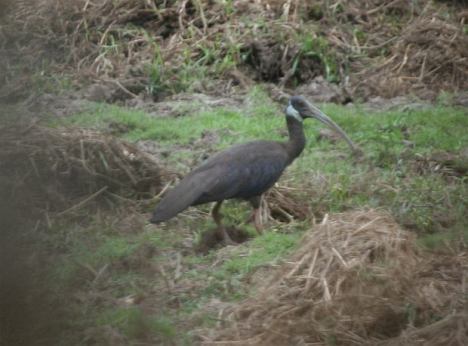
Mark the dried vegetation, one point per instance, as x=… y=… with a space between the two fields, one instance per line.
x=370 y=47
x=429 y=56
x=62 y=170
x=448 y=164
x=357 y=279
x=282 y=204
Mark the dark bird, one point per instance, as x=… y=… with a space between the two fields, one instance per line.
x=244 y=171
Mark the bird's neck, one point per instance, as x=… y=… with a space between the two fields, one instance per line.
x=297 y=140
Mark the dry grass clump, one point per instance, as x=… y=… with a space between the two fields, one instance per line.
x=442 y=162
x=357 y=279
x=383 y=48
x=61 y=170
x=430 y=54
x=283 y=204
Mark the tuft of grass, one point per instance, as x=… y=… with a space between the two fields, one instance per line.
x=163 y=326
x=264 y=249
x=318 y=48
x=51 y=83
x=195 y=66
x=135 y=324
x=130 y=321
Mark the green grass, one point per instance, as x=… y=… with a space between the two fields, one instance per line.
x=225 y=281
x=98 y=259
x=129 y=320
x=264 y=250
x=431 y=203
x=134 y=324
x=386 y=179
x=437 y=128
x=181 y=130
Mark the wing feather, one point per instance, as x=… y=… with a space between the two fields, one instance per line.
x=242 y=171
x=183 y=195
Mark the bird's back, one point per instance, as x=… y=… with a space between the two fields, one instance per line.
x=242 y=171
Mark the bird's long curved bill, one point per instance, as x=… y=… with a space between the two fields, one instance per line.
x=319 y=115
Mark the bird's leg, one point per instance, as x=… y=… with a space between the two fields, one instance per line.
x=250 y=218
x=218 y=220
x=258 y=220
x=257 y=215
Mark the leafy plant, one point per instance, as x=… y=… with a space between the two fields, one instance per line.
x=317 y=48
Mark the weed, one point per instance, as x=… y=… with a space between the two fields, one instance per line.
x=163 y=326
x=135 y=324
x=156 y=73
x=129 y=320
x=317 y=48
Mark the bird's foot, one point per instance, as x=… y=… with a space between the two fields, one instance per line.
x=227 y=240
x=258 y=221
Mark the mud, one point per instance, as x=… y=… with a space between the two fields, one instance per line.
x=212 y=239
x=47 y=104
x=320 y=90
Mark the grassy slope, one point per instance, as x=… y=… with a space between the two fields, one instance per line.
x=155 y=295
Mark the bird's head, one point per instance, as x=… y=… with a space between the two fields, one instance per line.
x=299 y=108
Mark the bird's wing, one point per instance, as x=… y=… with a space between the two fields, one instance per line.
x=183 y=195
x=248 y=175
x=242 y=171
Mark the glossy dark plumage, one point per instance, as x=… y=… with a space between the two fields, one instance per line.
x=243 y=171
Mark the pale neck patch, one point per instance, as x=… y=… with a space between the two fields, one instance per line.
x=292 y=112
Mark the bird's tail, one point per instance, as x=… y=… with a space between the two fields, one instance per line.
x=180 y=198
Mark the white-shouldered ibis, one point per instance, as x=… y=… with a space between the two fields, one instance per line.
x=243 y=171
